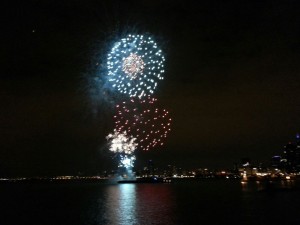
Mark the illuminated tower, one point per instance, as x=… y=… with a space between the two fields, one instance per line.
x=288 y=157
x=291 y=156
x=297 y=153
x=297 y=142
x=150 y=167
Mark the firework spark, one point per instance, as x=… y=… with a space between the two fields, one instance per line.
x=145 y=121
x=135 y=64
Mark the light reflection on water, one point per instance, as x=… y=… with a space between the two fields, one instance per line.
x=121 y=204
x=278 y=185
x=139 y=204
x=207 y=202
x=190 y=203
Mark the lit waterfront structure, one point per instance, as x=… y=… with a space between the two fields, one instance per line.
x=284 y=166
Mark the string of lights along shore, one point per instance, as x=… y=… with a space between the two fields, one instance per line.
x=135 y=65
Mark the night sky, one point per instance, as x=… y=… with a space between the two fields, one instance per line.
x=232 y=81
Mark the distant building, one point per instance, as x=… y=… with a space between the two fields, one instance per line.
x=291 y=156
x=276 y=162
x=150 y=168
x=297 y=153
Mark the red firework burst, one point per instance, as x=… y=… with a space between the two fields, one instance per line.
x=144 y=120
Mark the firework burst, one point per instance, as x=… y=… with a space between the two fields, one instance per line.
x=135 y=64
x=120 y=142
x=124 y=147
x=127 y=161
x=144 y=120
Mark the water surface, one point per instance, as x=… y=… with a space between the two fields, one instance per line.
x=193 y=202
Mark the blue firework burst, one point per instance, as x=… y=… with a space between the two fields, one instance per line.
x=135 y=64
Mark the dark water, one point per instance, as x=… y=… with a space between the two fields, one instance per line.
x=201 y=202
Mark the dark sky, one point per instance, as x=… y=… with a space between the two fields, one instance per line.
x=231 y=81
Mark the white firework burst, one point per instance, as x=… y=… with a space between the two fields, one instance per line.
x=127 y=161
x=135 y=64
x=119 y=142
